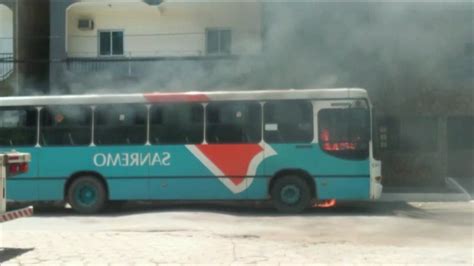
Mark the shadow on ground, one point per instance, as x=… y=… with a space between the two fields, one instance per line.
x=7 y=254
x=238 y=208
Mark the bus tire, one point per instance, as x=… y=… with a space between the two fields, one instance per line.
x=290 y=194
x=87 y=195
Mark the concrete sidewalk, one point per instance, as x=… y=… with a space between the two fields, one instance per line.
x=364 y=233
x=425 y=197
x=453 y=192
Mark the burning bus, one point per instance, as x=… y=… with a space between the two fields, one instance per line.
x=296 y=148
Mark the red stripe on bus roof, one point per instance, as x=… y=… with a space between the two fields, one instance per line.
x=175 y=97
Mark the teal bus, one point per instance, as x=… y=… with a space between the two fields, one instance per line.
x=293 y=147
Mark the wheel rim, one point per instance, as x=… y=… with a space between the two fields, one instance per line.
x=86 y=195
x=290 y=194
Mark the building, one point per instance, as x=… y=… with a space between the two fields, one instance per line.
x=89 y=37
x=416 y=60
x=25 y=31
x=57 y=45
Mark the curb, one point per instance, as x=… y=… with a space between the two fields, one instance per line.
x=425 y=197
x=454 y=184
x=12 y=215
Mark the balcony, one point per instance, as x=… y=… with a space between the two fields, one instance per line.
x=113 y=43
x=190 y=44
x=138 y=29
x=6 y=42
x=137 y=68
x=6 y=65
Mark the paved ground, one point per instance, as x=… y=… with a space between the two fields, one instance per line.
x=377 y=233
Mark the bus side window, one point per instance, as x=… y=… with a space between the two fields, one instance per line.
x=345 y=133
x=233 y=122
x=288 y=122
x=120 y=124
x=181 y=123
x=65 y=125
x=18 y=126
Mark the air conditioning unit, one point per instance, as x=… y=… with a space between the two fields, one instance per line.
x=85 y=24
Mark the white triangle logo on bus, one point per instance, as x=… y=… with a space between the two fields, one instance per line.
x=235 y=171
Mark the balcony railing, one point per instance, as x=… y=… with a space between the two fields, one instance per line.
x=137 y=67
x=6 y=65
x=142 y=45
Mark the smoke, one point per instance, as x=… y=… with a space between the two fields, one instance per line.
x=388 y=48
x=392 y=48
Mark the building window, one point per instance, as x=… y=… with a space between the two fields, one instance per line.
x=288 y=122
x=233 y=122
x=218 y=41
x=110 y=43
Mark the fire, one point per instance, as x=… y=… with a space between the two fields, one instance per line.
x=325 y=203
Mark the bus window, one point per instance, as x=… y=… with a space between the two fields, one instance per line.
x=177 y=124
x=345 y=133
x=18 y=126
x=65 y=126
x=120 y=124
x=288 y=122
x=233 y=122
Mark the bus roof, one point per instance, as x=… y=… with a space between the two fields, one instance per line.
x=195 y=96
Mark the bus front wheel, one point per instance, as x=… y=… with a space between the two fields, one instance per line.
x=87 y=195
x=290 y=194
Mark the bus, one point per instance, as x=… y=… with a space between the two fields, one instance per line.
x=293 y=147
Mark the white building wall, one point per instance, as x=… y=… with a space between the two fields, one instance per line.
x=170 y=29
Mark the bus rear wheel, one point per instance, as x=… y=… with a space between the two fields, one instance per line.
x=87 y=195
x=290 y=194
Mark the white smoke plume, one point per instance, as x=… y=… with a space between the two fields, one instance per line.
x=379 y=46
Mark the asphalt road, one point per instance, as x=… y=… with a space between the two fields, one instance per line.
x=149 y=234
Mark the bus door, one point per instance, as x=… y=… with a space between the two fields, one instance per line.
x=342 y=168
x=18 y=131
x=288 y=136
